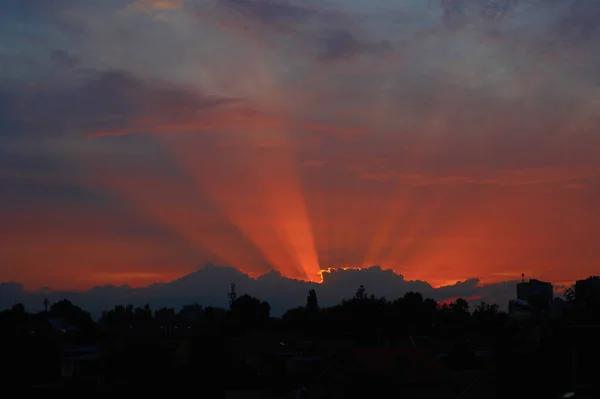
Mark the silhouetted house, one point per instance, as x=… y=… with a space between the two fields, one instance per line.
x=538 y=294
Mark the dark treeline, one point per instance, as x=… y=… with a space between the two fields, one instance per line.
x=141 y=349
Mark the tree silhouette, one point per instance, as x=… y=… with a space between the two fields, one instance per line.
x=460 y=306
x=294 y=315
x=13 y=318
x=18 y=309
x=488 y=317
x=569 y=294
x=126 y=318
x=486 y=309
x=250 y=310
x=312 y=303
x=361 y=293
x=413 y=298
x=71 y=314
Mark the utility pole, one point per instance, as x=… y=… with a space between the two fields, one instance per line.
x=46 y=303
x=232 y=295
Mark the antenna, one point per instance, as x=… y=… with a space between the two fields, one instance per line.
x=522 y=277
x=232 y=295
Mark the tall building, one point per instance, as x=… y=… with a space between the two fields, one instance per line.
x=588 y=291
x=538 y=294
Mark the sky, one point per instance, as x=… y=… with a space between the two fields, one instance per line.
x=445 y=141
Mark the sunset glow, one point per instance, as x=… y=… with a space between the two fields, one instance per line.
x=142 y=140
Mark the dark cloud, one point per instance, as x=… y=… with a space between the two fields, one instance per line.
x=341 y=44
x=10 y=293
x=36 y=165
x=48 y=13
x=454 y=13
x=50 y=10
x=579 y=22
x=565 y=23
x=9 y=122
x=274 y=13
x=57 y=172
x=495 y=10
x=19 y=191
x=24 y=8
x=210 y=285
x=458 y=14
x=97 y=101
x=64 y=59
x=334 y=35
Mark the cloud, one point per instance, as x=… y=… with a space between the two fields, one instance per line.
x=153 y=5
x=101 y=101
x=339 y=45
x=11 y=293
x=459 y=13
x=325 y=32
x=64 y=59
x=579 y=21
x=113 y=103
x=210 y=284
x=274 y=13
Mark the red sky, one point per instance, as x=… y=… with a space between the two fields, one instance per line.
x=298 y=138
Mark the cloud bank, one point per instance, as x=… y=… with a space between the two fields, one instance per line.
x=210 y=285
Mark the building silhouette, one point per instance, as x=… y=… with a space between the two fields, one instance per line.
x=588 y=292
x=538 y=294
